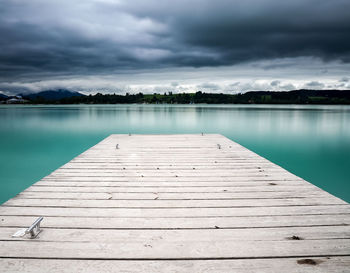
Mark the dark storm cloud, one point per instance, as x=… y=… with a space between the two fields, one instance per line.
x=41 y=39
x=248 y=30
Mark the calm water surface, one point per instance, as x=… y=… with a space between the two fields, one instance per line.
x=310 y=141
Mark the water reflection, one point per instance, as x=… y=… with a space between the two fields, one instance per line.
x=280 y=120
x=311 y=141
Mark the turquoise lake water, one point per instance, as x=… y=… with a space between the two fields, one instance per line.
x=312 y=142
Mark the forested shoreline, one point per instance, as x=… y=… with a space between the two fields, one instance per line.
x=253 y=97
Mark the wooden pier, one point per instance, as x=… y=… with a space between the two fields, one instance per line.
x=174 y=203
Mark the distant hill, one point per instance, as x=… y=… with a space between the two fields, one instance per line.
x=52 y=95
x=3 y=97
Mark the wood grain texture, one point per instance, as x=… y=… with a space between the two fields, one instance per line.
x=276 y=265
x=175 y=203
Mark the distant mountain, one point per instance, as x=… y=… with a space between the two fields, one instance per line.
x=52 y=95
x=3 y=97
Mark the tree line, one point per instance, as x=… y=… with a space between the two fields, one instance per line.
x=253 y=97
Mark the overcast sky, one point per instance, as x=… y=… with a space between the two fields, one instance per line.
x=180 y=45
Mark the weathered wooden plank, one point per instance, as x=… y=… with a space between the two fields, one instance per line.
x=156 y=203
x=162 y=183
x=182 y=249
x=175 y=197
x=329 y=220
x=173 y=173
x=207 y=189
x=171 y=196
x=176 y=212
x=174 y=178
x=159 y=237
x=181 y=165
x=186 y=171
x=155 y=159
x=277 y=265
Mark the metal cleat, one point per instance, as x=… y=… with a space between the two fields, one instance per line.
x=33 y=230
